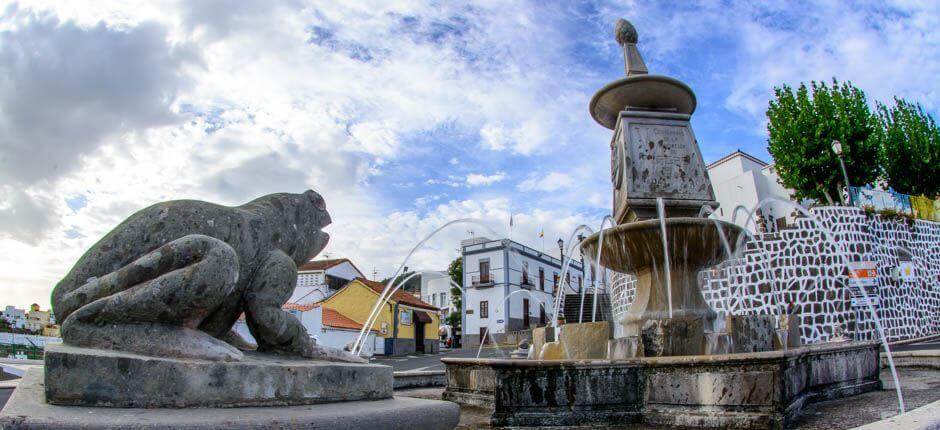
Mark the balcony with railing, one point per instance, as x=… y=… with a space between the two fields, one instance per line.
x=484 y=279
x=527 y=282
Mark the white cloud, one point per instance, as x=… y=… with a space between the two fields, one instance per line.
x=475 y=179
x=553 y=181
x=225 y=102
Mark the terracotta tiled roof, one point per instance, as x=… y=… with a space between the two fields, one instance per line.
x=299 y=307
x=323 y=264
x=399 y=296
x=332 y=318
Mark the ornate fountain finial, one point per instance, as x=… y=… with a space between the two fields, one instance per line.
x=625 y=32
x=626 y=36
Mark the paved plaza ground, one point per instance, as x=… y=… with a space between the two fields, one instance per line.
x=433 y=361
x=920 y=386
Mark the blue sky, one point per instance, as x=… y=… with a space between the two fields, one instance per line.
x=404 y=115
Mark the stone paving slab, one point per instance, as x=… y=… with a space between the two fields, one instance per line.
x=27 y=409
x=923 y=418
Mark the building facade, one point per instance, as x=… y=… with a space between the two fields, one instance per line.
x=435 y=289
x=405 y=325
x=742 y=180
x=319 y=279
x=14 y=316
x=509 y=287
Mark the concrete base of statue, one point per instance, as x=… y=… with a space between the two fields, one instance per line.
x=27 y=409
x=91 y=388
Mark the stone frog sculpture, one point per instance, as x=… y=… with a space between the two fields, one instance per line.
x=173 y=278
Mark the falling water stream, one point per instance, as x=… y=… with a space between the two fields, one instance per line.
x=661 y=210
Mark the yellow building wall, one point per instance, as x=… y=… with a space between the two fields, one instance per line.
x=356 y=301
x=430 y=330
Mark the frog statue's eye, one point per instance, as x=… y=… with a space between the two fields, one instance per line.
x=316 y=199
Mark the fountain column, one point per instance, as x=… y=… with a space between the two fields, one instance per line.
x=655 y=157
x=653 y=150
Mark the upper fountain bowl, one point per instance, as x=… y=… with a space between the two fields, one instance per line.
x=647 y=92
x=694 y=243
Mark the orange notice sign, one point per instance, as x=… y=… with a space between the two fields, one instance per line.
x=863 y=274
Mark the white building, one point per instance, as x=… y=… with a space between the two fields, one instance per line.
x=508 y=286
x=327 y=326
x=435 y=289
x=742 y=180
x=319 y=279
x=14 y=316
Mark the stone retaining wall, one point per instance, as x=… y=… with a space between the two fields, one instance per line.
x=800 y=270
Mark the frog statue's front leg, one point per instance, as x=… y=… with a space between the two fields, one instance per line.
x=274 y=329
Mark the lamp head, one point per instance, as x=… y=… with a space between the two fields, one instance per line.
x=837 y=147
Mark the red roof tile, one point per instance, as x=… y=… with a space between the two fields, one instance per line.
x=299 y=307
x=324 y=264
x=332 y=318
x=399 y=296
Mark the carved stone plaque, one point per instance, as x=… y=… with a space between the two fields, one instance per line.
x=661 y=162
x=657 y=157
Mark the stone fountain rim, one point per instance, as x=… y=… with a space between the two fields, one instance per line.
x=654 y=223
x=639 y=80
x=722 y=359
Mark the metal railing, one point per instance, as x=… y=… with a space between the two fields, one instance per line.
x=920 y=207
x=483 y=279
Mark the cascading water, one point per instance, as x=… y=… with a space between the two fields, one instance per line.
x=661 y=210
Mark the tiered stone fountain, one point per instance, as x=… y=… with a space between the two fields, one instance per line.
x=669 y=359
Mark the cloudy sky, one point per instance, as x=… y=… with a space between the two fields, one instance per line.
x=404 y=115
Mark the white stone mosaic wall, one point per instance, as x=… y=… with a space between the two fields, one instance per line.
x=800 y=271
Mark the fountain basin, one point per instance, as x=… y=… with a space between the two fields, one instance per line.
x=693 y=244
x=749 y=390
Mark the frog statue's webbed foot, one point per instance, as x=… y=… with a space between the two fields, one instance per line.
x=154 y=305
x=276 y=330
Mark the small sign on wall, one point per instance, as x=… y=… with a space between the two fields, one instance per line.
x=863 y=274
x=862 y=302
x=404 y=317
x=906 y=271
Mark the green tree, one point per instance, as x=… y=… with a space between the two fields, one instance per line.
x=802 y=125
x=455 y=270
x=910 y=148
x=412 y=285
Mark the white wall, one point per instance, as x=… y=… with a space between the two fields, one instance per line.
x=338 y=338
x=506 y=267
x=344 y=270
x=741 y=181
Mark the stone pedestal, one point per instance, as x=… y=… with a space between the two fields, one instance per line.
x=788 y=332
x=624 y=347
x=541 y=336
x=752 y=333
x=578 y=341
x=674 y=336
x=28 y=409
x=92 y=377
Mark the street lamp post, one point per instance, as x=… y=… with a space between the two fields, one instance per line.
x=837 y=149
